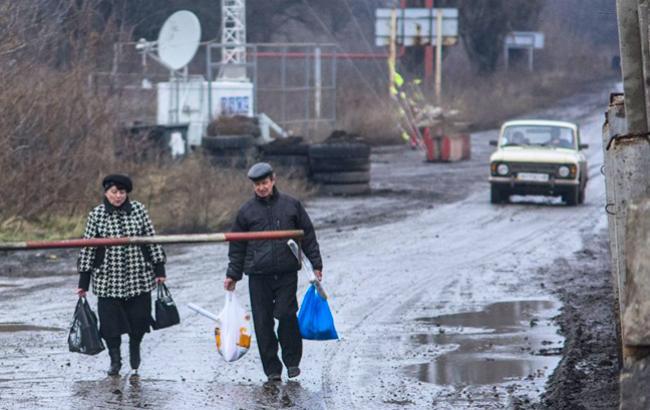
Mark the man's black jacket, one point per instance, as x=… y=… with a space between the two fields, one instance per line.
x=271 y=257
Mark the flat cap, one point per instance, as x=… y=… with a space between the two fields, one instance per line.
x=119 y=180
x=259 y=171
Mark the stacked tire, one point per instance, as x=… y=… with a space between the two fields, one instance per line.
x=341 y=168
x=229 y=150
x=290 y=154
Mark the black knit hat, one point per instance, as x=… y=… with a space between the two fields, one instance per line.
x=120 y=181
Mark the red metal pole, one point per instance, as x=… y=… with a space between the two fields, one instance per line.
x=143 y=240
x=301 y=54
x=428 y=52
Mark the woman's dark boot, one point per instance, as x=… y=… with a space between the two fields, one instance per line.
x=116 y=361
x=134 y=353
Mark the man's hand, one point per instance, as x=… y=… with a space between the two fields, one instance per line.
x=80 y=292
x=319 y=275
x=229 y=284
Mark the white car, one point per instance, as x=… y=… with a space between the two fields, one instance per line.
x=538 y=157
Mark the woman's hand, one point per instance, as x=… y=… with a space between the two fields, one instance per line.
x=160 y=279
x=81 y=292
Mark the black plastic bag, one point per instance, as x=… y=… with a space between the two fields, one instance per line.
x=84 y=335
x=166 y=311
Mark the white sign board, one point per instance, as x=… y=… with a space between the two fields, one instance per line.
x=525 y=39
x=416 y=26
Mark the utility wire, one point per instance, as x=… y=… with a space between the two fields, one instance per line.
x=363 y=78
x=363 y=36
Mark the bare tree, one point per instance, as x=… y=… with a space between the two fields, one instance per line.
x=484 y=25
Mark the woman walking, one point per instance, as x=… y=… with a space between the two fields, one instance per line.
x=122 y=276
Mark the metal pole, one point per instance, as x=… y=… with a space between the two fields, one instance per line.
x=632 y=65
x=209 y=70
x=645 y=51
x=283 y=84
x=439 y=57
x=317 y=83
x=391 y=51
x=428 y=49
x=334 y=85
x=255 y=94
x=506 y=54
x=530 y=58
x=307 y=122
x=144 y=240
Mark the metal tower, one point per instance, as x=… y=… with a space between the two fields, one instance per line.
x=233 y=38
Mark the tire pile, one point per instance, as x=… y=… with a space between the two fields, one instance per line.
x=229 y=150
x=290 y=153
x=231 y=141
x=341 y=165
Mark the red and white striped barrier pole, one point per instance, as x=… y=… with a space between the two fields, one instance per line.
x=160 y=239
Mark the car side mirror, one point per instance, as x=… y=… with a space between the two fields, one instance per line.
x=584 y=146
x=493 y=143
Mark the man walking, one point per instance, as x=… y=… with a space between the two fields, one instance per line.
x=272 y=270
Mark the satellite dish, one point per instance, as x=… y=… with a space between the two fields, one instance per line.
x=179 y=39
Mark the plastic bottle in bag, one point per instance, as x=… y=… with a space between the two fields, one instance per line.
x=233 y=335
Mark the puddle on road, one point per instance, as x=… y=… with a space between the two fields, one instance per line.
x=507 y=341
x=10 y=327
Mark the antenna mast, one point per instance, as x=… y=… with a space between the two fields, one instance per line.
x=233 y=38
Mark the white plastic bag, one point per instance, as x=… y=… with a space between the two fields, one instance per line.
x=307 y=268
x=234 y=331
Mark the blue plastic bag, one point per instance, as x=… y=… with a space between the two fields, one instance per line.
x=315 y=318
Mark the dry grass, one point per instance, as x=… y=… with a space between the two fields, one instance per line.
x=60 y=137
x=195 y=196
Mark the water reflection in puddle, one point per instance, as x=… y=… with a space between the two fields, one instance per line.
x=504 y=342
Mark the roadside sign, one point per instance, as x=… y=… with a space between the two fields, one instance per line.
x=416 y=26
x=525 y=39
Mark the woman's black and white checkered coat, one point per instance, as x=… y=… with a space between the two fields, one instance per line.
x=120 y=271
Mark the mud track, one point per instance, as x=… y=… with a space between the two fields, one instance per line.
x=442 y=301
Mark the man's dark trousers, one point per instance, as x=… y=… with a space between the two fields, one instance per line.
x=274 y=296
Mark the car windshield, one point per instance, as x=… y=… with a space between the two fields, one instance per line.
x=538 y=135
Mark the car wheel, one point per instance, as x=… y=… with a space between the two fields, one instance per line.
x=572 y=198
x=497 y=195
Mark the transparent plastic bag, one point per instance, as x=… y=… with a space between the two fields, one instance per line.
x=233 y=335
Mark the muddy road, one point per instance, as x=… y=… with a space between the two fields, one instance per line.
x=442 y=300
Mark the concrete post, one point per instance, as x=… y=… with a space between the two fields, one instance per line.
x=615 y=125
x=627 y=165
x=645 y=51
x=636 y=317
x=632 y=64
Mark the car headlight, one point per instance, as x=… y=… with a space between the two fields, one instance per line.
x=503 y=169
x=564 y=171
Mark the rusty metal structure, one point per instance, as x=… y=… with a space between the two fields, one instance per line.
x=161 y=239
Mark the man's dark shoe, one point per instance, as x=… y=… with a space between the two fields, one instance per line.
x=116 y=361
x=293 y=372
x=274 y=378
x=134 y=355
